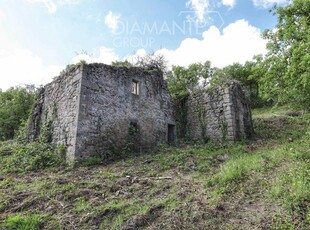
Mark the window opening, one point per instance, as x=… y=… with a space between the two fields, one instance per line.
x=135 y=87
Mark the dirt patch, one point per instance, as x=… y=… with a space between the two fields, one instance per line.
x=138 y=221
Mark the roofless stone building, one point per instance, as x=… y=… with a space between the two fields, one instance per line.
x=222 y=114
x=97 y=109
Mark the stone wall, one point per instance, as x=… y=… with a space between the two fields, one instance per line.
x=221 y=114
x=240 y=113
x=61 y=105
x=108 y=109
x=91 y=110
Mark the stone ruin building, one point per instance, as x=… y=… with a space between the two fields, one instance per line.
x=97 y=109
x=221 y=114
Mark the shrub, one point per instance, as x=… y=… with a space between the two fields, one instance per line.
x=31 y=156
x=6 y=148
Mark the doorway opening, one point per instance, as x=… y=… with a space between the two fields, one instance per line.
x=171 y=134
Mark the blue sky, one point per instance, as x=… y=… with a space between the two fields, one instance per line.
x=38 y=38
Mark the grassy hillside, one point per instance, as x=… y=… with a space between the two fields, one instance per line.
x=261 y=184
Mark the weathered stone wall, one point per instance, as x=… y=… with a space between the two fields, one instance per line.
x=34 y=126
x=108 y=107
x=240 y=113
x=57 y=107
x=91 y=110
x=221 y=114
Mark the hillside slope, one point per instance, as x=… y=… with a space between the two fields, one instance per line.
x=262 y=184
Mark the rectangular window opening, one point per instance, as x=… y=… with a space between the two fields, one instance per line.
x=135 y=87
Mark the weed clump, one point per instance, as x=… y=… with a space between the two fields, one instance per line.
x=19 y=222
x=29 y=157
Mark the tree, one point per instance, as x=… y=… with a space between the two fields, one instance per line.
x=15 y=106
x=288 y=60
x=152 y=61
x=248 y=75
x=181 y=82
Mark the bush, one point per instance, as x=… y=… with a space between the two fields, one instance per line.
x=31 y=156
x=6 y=148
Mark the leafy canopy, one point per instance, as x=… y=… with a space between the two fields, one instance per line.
x=288 y=60
x=182 y=80
x=15 y=106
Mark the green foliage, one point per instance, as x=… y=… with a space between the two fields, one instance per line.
x=202 y=121
x=224 y=130
x=81 y=205
x=292 y=187
x=30 y=157
x=238 y=168
x=290 y=161
x=181 y=82
x=61 y=150
x=288 y=61
x=46 y=132
x=95 y=160
x=152 y=61
x=307 y=118
x=82 y=62
x=19 y=222
x=71 y=67
x=125 y=63
x=177 y=82
x=6 y=148
x=6 y=183
x=248 y=75
x=283 y=76
x=24 y=156
x=132 y=143
x=186 y=187
x=15 y=106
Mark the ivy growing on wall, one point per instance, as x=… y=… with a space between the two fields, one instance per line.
x=202 y=120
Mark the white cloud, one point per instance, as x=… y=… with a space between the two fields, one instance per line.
x=229 y=3
x=52 y=5
x=111 y=20
x=200 y=7
x=1 y=16
x=20 y=66
x=106 y=55
x=238 y=42
x=133 y=58
x=69 y=2
x=268 y=3
x=49 y=4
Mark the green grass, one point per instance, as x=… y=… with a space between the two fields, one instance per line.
x=292 y=187
x=19 y=222
x=274 y=112
x=262 y=184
